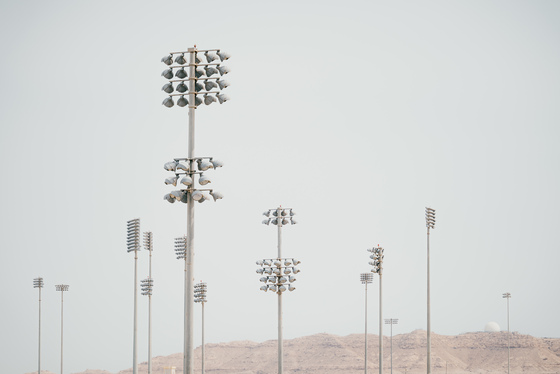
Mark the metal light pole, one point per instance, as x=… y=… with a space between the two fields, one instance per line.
x=203 y=79
x=133 y=244
x=430 y=223
x=507 y=296
x=200 y=290
x=61 y=288
x=147 y=287
x=391 y=321
x=366 y=278
x=38 y=283
x=279 y=270
x=377 y=263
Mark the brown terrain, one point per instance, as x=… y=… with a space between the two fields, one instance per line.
x=478 y=352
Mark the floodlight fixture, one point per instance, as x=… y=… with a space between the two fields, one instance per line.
x=182 y=101
x=209 y=99
x=222 y=98
x=168 y=102
x=181 y=87
x=223 y=55
x=168 y=87
x=204 y=180
x=186 y=180
x=181 y=73
x=180 y=59
x=210 y=85
x=172 y=180
x=204 y=165
x=167 y=60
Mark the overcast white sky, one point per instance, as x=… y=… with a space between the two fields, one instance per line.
x=357 y=114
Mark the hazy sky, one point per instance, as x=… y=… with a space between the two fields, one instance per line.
x=357 y=114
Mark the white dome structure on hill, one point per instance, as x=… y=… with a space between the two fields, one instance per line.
x=492 y=327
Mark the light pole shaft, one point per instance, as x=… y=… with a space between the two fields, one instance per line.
x=508 y=329
x=135 y=337
x=429 y=338
x=149 y=319
x=61 y=328
x=365 y=334
x=188 y=356
x=280 y=338
x=391 y=346
x=202 y=337
x=380 y=321
x=39 y=360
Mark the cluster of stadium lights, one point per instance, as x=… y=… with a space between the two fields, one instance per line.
x=133 y=235
x=181 y=247
x=279 y=272
x=200 y=290
x=430 y=218
x=377 y=257
x=280 y=216
x=186 y=171
x=207 y=80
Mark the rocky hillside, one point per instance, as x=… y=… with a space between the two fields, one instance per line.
x=479 y=352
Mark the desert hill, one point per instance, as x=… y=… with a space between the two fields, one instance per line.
x=479 y=352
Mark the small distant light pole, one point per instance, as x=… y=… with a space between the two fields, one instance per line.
x=391 y=321
x=279 y=269
x=133 y=245
x=147 y=287
x=366 y=278
x=38 y=283
x=61 y=288
x=377 y=263
x=200 y=297
x=507 y=296
x=430 y=223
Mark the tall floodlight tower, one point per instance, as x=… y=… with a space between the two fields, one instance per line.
x=61 y=288
x=365 y=278
x=279 y=270
x=377 y=263
x=200 y=290
x=507 y=296
x=147 y=287
x=38 y=283
x=201 y=82
x=133 y=245
x=391 y=321
x=430 y=223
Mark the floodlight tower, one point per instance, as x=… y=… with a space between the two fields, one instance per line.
x=279 y=269
x=147 y=286
x=377 y=263
x=133 y=245
x=200 y=290
x=391 y=321
x=366 y=278
x=61 y=288
x=202 y=79
x=507 y=296
x=38 y=283
x=430 y=223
